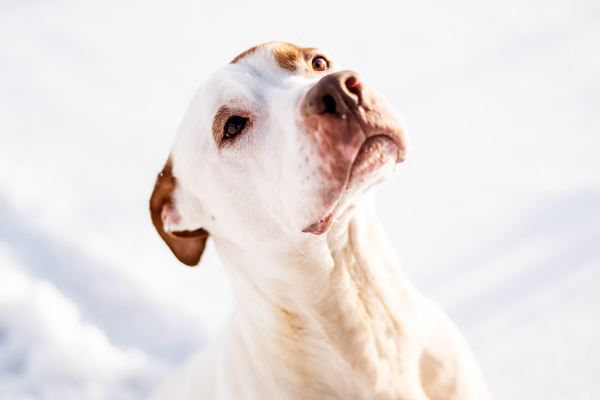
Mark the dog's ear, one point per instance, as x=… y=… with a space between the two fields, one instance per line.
x=186 y=245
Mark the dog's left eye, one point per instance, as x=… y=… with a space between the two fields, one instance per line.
x=233 y=126
x=320 y=64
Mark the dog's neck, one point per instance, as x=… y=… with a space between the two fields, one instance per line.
x=333 y=309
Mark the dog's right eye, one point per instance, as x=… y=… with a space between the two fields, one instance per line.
x=233 y=126
x=320 y=64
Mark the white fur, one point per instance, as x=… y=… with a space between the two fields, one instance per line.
x=318 y=316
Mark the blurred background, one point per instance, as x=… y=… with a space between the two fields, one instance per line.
x=496 y=214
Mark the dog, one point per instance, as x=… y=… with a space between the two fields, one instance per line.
x=275 y=160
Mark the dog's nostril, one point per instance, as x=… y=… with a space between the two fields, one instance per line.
x=329 y=104
x=355 y=90
x=354 y=86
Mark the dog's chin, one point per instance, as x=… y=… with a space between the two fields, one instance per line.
x=375 y=162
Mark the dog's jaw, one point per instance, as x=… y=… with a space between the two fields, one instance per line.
x=375 y=162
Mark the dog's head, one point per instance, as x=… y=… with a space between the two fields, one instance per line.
x=279 y=142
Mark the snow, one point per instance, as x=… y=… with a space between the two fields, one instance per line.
x=48 y=351
x=495 y=215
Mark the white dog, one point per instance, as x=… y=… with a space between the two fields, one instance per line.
x=275 y=160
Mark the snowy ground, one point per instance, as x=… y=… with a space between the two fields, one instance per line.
x=496 y=215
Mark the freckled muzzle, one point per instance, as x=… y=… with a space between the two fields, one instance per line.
x=344 y=113
x=329 y=109
x=343 y=117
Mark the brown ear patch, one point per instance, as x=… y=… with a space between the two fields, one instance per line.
x=187 y=246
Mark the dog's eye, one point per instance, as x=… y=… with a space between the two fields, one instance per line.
x=233 y=126
x=320 y=64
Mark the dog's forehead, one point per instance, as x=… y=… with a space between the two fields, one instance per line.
x=250 y=75
x=281 y=55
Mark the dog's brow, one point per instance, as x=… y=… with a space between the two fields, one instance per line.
x=288 y=56
x=292 y=57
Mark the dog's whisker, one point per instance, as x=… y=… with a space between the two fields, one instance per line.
x=297 y=248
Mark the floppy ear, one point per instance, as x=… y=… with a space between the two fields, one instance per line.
x=186 y=245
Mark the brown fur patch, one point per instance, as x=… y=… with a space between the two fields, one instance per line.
x=288 y=56
x=294 y=58
x=218 y=127
x=292 y=320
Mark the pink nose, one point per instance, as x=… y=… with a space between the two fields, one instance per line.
x=335 y=95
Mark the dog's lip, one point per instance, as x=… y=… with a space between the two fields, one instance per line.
x=394 y=132
x=370 y=157
x=367 y=156
x=399 y=141
x=321 y=226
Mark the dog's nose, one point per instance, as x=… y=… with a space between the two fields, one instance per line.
x=337 y=94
